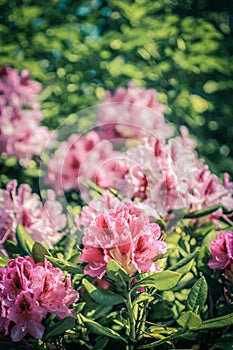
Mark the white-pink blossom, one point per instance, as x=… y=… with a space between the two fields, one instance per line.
x=22 y=135
x=128 y=238
x=84 y=157
x=132 y=113
x=43 y=222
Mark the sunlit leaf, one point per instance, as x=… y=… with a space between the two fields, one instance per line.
x=197 y=295
x=39 y=252
x=164 y=280
x=102 y=296
x=64 y=265
x=3 y=260
x=116 y=273
x=183 y=265
x=202 y=212
x=97 y=328
x=189 y=320
x=24 y=240
x=218 y=322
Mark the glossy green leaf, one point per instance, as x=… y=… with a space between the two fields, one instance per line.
x=184 y=265
x=163 y=280
x=167 y=340
x=161 y=330
x=102 y=342
x=202 y=260
x=64 y=265
x=3 y=260
x=79 y=307
x=12 y=248
x=189 y=320
x=97 y=328
x=202 y=212
x=60 y=327
x=116 y=273
x=102 y=296
x=74 y=258
x=218 y=322
x=24 y=240
x=39 y=252
x=197 y=295
x=142 y=298
x=97 y=310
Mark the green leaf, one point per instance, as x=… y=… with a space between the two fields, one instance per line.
x=39 y=252
x=64 y=265
x=189 y=320
x=143 y=297
x=164 y=280
x=74 y=258
x=3 y=260
x=160 y=330
x=12 y=248
x=202 y=260
x=97 y=328
x=202 y=212
x=116 y=273
x=24 y=240
x=102 y=296
x=98 y=311
x=167 y=339
x=60 y=327
x=164 y=311
x=218 y=322
x=184 y=265
x=197 y=295
x=204 y=229
x=79 y=307
x=102 y=343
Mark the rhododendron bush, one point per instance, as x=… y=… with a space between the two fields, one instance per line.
x=124 y=238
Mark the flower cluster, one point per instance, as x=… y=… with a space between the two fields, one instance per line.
x=124 y=235
x=173 y=177
x=132 y=113
x=108 y=202
x=43 y=222
x=20 y=115
x=84 y=157
x=128 y=114
x=221 y=250
x=147 y=180
x=169 y=173
x=28 y=292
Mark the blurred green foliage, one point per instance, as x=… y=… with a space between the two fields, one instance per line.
x=77 y=49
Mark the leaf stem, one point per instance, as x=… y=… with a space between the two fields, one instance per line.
x=132 y=322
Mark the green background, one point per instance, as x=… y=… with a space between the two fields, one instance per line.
x=77 y=49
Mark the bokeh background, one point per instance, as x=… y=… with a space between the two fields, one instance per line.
x=78 y=49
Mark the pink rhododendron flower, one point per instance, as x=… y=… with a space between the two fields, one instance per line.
x=221 y=249
x=28 y=292
x=95 y=207
x=27 y=316
x=127 y=238
x=43 y=222
x=81 y=158
x=132 y=113
x=107 y=203
x=20 y=115
x=172 y=176
x=163 y=173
